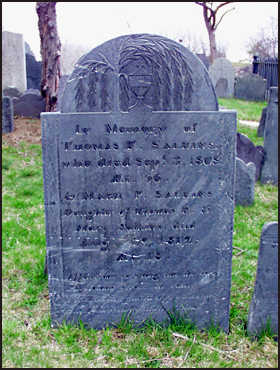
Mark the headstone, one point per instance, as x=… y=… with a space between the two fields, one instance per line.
x=264 y=305
x=222 y=76
x=179 y=81
x=27 y=49
x=33 y=72
x=250 y=87
x=30 y=104
x=244 y=182
x=261 y=126
x=13 y=61
x=138 y=201
x=7 y=115
x=269 y=171
x=248 y=152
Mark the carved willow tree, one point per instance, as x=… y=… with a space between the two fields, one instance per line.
x=50 y=53
x=212 y=22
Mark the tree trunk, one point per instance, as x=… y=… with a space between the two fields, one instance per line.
x=213 y=47
x=50 y=53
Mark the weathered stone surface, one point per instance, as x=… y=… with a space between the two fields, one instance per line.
x=269 y=171
x=134 y=203
x=222 y=76
x=264 y=304
x=175 y=78
x=261 y=126
x=30 y=104
x=139 y=203
x=13 y=61
x=248 y=152
x=244 y=182
x=250 y=86
x=7 y=115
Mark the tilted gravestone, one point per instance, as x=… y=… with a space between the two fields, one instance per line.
x=248 y=152
x=7 y=115
x=222 y=75
x=244 y=182
x=261 y=126
x=264 y=305
x=13 y=61
x=250 y=87
x=139 y=192
x=269 y=171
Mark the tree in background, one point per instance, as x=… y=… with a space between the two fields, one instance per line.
x=70 y=54
x=265 y=43
x=50 y=53
x=212 y=22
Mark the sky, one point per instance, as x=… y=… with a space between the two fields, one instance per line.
x=89 y=24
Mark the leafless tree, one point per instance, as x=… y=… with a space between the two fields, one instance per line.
x=50 y=52
x=212 y=22
x=265 y=43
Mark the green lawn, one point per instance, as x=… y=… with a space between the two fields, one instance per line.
x=246 y=110
x=28 y=339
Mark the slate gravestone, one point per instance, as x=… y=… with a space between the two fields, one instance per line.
x=13 y=61
x=7 y=115
x=30 y=104
x=138 y=201
x=244 y=182
x=261 y=126
x=33 y=72
x=269 y=172
x=248 y=152
x=250 y=87
x=222 y=75
x=264 y=304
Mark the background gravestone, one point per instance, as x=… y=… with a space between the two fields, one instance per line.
x=248 y=152
x=250 y=86
x=222 y=73
x=264 y=304
x=244 y=182
x=269 y=171
x=30 y=104
x=7 y=115
x=138 y=202
x=13 y=61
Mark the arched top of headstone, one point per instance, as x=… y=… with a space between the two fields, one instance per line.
x=139 y=72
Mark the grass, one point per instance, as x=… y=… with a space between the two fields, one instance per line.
x=246 y=110
x=28 y=340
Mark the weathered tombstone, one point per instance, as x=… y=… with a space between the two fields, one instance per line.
x=13 y=61
x=250 y=87
x=261 y=126
x=248 y=152
x=7 y=115
x=139 y=198
x=244 y=182
x=269 y=171
x=30 y=104
x=264 y=305
x=222 y=75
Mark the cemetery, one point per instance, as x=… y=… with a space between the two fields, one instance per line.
x=141 y=213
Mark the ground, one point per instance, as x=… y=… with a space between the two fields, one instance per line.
x=25 y=129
